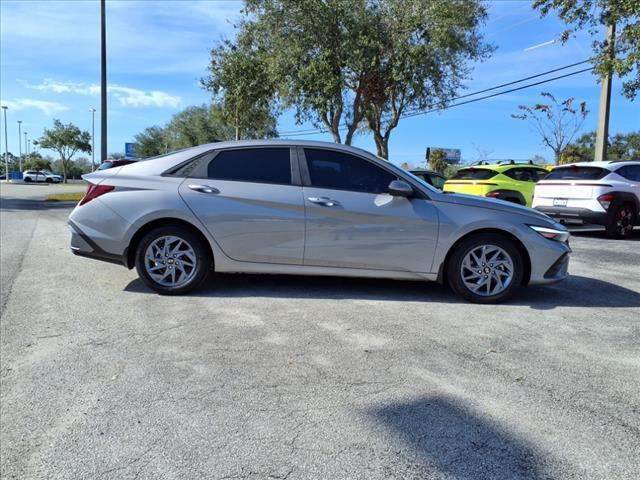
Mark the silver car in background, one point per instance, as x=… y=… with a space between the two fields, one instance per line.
x=312 y=208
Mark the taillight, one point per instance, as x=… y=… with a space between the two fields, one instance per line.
x=94 y=191
x=493 y=194
x=605 y=200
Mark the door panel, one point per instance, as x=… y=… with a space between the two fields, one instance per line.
x=367 y=230
x=252 y=222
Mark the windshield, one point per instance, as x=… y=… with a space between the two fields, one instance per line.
x=474 y=174
x=577 y=173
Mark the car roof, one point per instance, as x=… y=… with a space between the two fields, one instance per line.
x=500 y=167
x=423 y=170
x=608 y=164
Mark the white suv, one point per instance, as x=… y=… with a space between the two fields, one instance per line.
x=602 y=193
x=40 y=176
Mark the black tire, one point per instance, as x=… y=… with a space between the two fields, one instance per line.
x=454 y=267
x=27 y=180
x=621 y=221
x=202 y=255
x=48 y=180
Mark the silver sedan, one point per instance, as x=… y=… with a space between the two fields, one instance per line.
x=311 y=208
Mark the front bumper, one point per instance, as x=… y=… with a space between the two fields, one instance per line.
x=575 y=215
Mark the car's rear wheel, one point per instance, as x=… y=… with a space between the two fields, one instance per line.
x=27 y=180
x=485 y=268
x=172 y=260
x=621 y=220
x=49 y=180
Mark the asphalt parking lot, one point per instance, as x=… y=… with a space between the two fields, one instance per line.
x=258 y=377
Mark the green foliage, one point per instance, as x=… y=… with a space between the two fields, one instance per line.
x=12 y=160
x=66 y=140
x=592 y=15
x=35 y=161
x=437 y=161
x=196 y=125
x=450 y=171
x=620 y=147
x=555 y=122
x=344 y=64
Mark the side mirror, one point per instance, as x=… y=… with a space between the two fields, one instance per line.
x=400 y=188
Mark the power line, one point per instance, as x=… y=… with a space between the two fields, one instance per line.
x=315 y=131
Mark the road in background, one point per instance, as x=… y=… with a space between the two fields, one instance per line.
x=310 y=378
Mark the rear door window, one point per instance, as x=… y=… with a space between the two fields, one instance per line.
x=474 y=174
x=258 y=165
x=577 y=173
x=341 y=171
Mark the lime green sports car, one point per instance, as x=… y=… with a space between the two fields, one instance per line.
x=510 y=181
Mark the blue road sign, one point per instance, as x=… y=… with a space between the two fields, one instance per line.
x=128 y=150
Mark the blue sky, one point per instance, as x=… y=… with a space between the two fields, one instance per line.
x=158 y=51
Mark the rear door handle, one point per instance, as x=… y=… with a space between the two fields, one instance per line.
x=326 y=201
x=204 y=189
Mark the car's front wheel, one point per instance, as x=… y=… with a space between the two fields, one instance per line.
x=485 y=268
x=172 y=260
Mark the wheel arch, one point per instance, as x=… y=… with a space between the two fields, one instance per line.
x=526 y=275
x=130 y=252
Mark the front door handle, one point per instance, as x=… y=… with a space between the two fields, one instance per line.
x=326 y=201
x=204 y=189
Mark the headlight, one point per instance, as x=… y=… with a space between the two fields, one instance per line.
x=551 y=233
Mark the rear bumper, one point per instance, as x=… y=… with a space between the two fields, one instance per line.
x=83 y=246
x=575 y=215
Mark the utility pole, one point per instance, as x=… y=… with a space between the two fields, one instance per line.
x=93 y=137
x=6 y=145
x=602 y=133
x=20 y=143
x=26 y=149
x=103 y=82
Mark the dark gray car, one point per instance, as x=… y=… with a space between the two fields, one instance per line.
x=312 y=208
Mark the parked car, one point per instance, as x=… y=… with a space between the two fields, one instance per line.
x=312 y=208
x=602 y=193
x=112 y=163
x=510 y=181
x=432 y=178
x=40 y=176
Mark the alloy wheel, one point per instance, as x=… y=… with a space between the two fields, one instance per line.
x=170 y=261
x=487 y=270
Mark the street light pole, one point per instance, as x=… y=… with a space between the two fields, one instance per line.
x=20 y=143
x=93 y=136
x=103 y=82
x=6 y=144
x=26 y=152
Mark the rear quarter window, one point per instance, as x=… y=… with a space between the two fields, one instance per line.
x=577 y=173
x=474 y=174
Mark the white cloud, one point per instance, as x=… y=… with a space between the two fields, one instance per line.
x=46 y=107
x=127 y=96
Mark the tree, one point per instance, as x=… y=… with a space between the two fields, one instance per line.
x=12 y=160
x=620 y=147
x=348 y=65
x=421 y=56
x=592 y=15
x=35 y=161
x=555 y=122
x=116 y=155
x=538 y=160
x=151 y=142
x=437 y=161
x=195 y=125
x=66 y=140
x=239 y=81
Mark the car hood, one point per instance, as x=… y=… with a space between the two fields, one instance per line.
x=495 y=204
